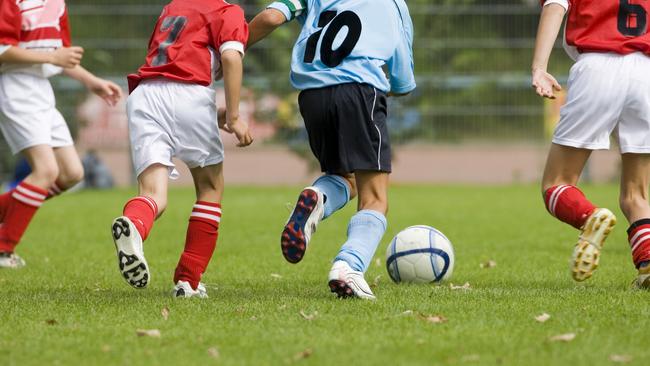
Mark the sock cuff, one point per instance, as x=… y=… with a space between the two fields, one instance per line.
x=635 y=225
x=336 y=180
x=148 y=201
x=552 y=196
x=209 y=212
x=29 y=194
x=372 y=214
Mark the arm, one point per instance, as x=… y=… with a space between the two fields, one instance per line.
x=107 y=90
x=400 y=65
x=65 y=57
x=549 y=27
x=231 y=62
x=264 y=23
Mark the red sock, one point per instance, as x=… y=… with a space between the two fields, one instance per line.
x=568 y=204
x=23 y=204
x=142 y=211
x=201 y=239
x=639 y=237
x=5 y=198
x=54 y=190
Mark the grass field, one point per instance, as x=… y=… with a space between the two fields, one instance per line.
x=70 y=306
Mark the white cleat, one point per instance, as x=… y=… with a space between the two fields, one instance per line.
x=184 y=290
x=586 y=253
x=11 y=260
x=302 y=223
x=130 y=255
x=348 y=283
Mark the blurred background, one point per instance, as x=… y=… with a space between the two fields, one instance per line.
x=472 y=119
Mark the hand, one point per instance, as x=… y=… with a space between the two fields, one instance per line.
x=107 y=90
x=545 y=84
x=67 y=57
x=221 y=119
x=239 y=129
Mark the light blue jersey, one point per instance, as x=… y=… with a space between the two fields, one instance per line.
x=351 y=41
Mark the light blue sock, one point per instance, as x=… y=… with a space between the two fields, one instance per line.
x=365 y=231
x=336 y=191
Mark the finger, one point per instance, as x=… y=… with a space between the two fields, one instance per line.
x=539 y=91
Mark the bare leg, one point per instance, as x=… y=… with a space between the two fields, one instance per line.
x=44 y=166
x=71 y=170
x=635 y=178
x=152 y=183
x=564 y=166
x=373 y=191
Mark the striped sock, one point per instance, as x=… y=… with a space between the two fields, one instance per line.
x=142 y=211
x=5 y=199
x=54 y=190
x=23 y=204
x=639 y=237
x=568 y=204
x=200 y=242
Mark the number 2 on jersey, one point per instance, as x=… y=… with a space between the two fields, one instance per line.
x=329 y=56
x=175 y=25
x=632 y=19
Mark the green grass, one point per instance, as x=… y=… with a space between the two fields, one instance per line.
x=70 y=306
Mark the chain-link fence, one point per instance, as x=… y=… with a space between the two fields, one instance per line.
x=472 y=67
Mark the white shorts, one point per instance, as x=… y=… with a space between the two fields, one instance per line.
x=608 y=93
x=28 y=114
x=169 y=119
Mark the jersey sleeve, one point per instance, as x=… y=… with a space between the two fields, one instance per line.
x=65 y=29
x=562 y=3
x=229 y=30
x=290 y=8
x=400 y=65
x=10 y=22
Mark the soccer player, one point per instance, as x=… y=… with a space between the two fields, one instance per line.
x=608 y=91
x=337 y=63
x=34 y=45
x=172 y=112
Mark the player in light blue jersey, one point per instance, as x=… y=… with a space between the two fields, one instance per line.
x=338 y=63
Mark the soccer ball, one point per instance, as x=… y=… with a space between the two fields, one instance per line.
x=420 y=254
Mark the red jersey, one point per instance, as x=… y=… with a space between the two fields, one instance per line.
x=619 y=26
x=188 y=39
x=34 y=24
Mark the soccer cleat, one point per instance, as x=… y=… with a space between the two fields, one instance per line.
x=184 y=290
x=586 y=253
x=11 y=260
x=302 y=224
x=642 y=281
x=130 y=255
x=348 y=283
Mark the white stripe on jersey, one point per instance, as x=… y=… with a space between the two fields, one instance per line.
x=41 y=44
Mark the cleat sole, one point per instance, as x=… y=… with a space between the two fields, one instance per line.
x=134 y=269
x=292 y=241
x=586 y=253
x=341 y=289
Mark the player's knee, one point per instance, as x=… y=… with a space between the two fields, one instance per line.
x=70 y=177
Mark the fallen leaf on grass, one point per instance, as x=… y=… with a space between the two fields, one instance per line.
x=466 y=286
x=406 y=313
x=253 y=317
x=378 y=262
x=567 y=337
x=375 y=282
x=106 y=348
x=276 y=275
x=620 y=358
x=311 y=316
x=51 y=322
x=302 y=355
x=542 y=318
x=470 y=358
x=434 y=319
x=154 y=333
x=213 y=352
x=489 y=264
x=165 y=313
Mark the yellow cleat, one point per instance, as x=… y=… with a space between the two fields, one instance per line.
x=586 y=253
x=643 y=279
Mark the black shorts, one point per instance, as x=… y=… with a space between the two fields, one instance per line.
x=347 y=129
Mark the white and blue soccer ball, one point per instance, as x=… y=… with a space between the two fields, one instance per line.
x=420 y=254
